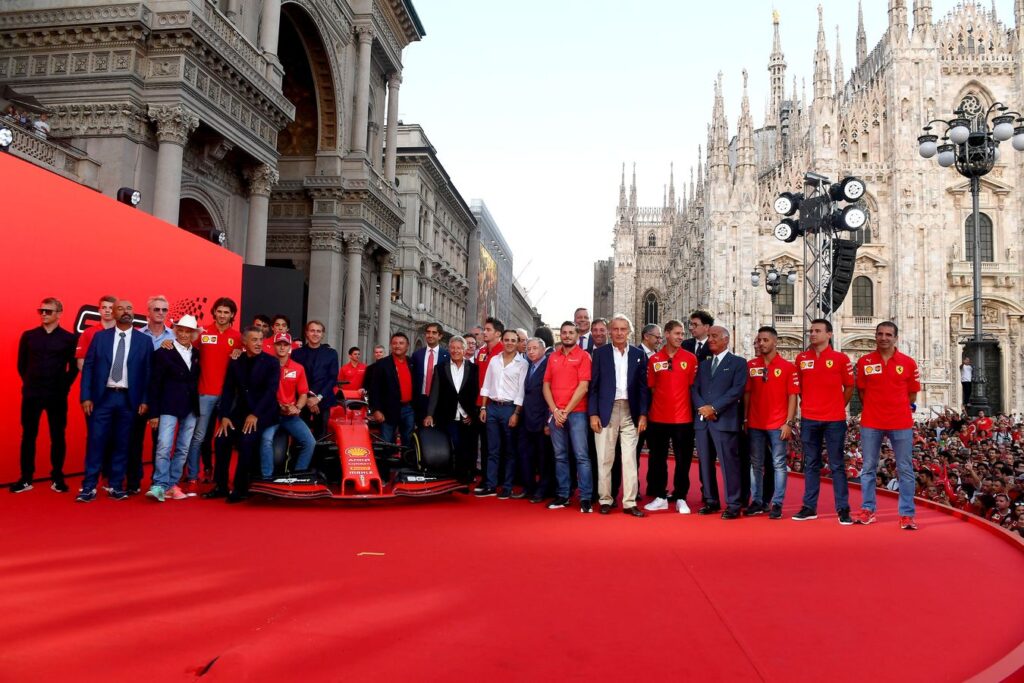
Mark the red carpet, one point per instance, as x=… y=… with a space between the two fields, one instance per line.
x=459 y=589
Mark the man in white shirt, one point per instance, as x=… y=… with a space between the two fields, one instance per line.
x=650 y=339
x=501 y=403
x=452 y=405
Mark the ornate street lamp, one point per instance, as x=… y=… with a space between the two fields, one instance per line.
x=772 y=280
x=972 y=145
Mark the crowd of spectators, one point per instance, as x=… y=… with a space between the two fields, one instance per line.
x=37 y=124
x=972 y=464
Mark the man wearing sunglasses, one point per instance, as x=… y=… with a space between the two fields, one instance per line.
x=46 y=365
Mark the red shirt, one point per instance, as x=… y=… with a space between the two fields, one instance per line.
x=353 y=375
x=670 y=380
x=84 y=339
x=404 y=378
x=293 y=382
x=984 y=424
x=564 y=373
x=215 y=348
x=885 y=389
x=483 y=357
x=268 y=346
x=768 y=399
x=823 y=378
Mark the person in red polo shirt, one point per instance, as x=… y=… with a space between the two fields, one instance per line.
x=670 y=373
x=769 y=405
x=888 y=382
x=217 y=346
x=292 y=394
x=353 y=372
x=390 y=392
x=566 y=380
x=826 y=386
x=106 y=310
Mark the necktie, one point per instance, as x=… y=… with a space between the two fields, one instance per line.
x=696 y=350
x=582 y=345
x=714 y=366
x=533 y=368
x=117 y=369
x=430 y=372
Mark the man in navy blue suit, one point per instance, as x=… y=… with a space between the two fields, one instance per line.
x=536 y=454
x=618 y=408
x=115 y=378
x=425 y=360
x=717 y=397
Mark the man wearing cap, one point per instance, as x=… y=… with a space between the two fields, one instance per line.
x=292 y=394
x=173 y=408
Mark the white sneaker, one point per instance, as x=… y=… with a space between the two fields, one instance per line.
x=656 y=504
x=682 y=508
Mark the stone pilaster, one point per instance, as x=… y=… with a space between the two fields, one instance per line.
x=326 y=270
x=394 y=83
x=359 y=116
x=387 y=266
x=174 y=124
x=261 y=179
x=355 y=244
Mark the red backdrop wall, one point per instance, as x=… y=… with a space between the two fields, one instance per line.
x=61 y=239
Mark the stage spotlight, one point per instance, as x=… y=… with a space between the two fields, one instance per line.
x=787 y=203
x=787 y=230
x=848 y=189
x=853 y=217
x=129 y=196
x=6 y=138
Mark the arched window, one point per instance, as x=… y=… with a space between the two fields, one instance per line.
x=987 y=248
x=652 y=241
x=863 y=297
x=785 y=300
x=862 y=236
x=651 y=309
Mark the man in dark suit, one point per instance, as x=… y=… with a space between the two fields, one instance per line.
x=581 y=317
x=115 y=379
x=174 y=408
x=618 y=407
x=717 y=396
x=390 y=392
x=452 y=406
x=248 y=405
x=536 y=454
x=425 y=360
x=320 y=362
x=700 y=324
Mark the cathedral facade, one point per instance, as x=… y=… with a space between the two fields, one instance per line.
x=914 y=263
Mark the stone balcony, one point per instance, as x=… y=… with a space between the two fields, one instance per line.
x=997 y=274
x=64 y=160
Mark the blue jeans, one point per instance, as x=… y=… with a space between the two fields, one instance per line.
x=499 y=443
x=833 y=434
x=759 y=438
x=902 y=441
x=207 y=404
x=404 y=427
x=575 y=430
x=166 y=469
x=293 y=425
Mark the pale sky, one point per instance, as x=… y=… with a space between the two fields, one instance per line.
x=534 y=105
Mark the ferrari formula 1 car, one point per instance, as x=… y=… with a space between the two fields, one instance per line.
x=354 y=463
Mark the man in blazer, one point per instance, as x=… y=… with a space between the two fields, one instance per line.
x=536 y=454
x=115 y=379
x=452 y=405
x=174 y=408
x=700 y=324
x=390 y=392
x=248 y=405
x=618 y=408
x=717 y=397
x=425 y=360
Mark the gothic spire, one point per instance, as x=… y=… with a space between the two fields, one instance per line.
x=745 y=133
x=1018 y=16
x=822 y=77
x=632 y=189
x=840 y=76
x=922 y=15
x=622 y=188
x=700 y=169
x=718 y=140
x=777 y=73
x=862 y=37
x=691 y=176
x=671 y=184
x=898 y=19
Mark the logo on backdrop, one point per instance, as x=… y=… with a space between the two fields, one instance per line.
x=88 y=315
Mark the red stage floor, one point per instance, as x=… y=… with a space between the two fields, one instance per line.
x=459 y=589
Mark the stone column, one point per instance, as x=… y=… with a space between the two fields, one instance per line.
x=261 y=180
x=394 y=83
x=365 y=35
x=354 y=246
x=173 y=126
x=326 y=271
x=231 y=12
x=387 y=264
x=270 y=26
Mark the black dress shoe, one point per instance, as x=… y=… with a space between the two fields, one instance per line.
x=709 y=510
x=215 y=493
x=635 y=512
x=605 y=508
x=236 y=498
x=729 y=514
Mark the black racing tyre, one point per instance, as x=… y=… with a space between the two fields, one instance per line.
x=433 y=450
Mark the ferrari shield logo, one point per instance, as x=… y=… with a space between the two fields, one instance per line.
x=231 y=342
x=778 y=372
x=899 y=369
x=829 y=363
x=683 y=365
